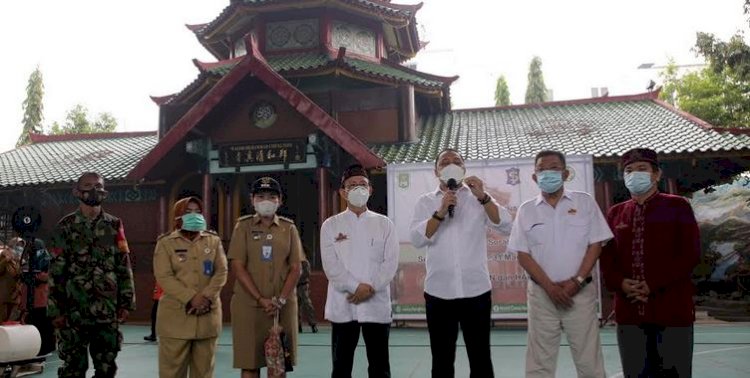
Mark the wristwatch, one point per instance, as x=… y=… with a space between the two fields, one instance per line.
x=582 y=281
x=282 y=300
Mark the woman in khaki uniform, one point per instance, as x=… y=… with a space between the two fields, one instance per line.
x=265 y=254
x=190 y=265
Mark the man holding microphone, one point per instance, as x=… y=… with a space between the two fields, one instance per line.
x=451 y=223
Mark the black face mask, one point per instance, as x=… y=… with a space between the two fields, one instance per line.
x=92 y=197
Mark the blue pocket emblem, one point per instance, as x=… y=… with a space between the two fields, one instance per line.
x=266 y=253
x=208 y=267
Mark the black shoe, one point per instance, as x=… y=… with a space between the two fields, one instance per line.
x=299 y=328
x=149 y=338
x=314 y=328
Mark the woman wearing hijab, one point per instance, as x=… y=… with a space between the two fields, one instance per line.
x=265 y=253
x=191 y=268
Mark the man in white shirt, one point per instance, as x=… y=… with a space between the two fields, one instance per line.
x=558 y=237
x=360 y=257
x=451 y=222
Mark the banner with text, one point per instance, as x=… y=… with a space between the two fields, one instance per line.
x=510 y=183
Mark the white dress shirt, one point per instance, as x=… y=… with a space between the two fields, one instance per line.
x=358 y=250
x=457 y=252
x=558 y=237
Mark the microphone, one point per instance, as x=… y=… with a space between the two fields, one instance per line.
x=452 y=185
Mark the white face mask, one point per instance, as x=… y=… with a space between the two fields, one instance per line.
x=358 y=196
x=452 y=171
x=266 y=208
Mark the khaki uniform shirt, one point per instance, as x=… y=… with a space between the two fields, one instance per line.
x=249 y=241
x=184 y=268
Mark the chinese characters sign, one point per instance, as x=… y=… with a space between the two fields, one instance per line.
x=276 y=152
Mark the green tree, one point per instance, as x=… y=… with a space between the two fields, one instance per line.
x=715 y=97
x=32 y=108
x=77 y=122
x=733 y=55
x=536 y=91
x=721 y=93
x=670 y=82
x=502 y=93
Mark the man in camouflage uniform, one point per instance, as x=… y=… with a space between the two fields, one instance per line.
x=91 y=283
x=306 y=309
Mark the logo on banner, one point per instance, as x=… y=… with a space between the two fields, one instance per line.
x=514 y=176
x=403 y=180
x=571 y=173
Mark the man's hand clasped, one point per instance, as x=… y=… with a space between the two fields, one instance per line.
x=636 y=291
x=364 y=292
x=199 y=305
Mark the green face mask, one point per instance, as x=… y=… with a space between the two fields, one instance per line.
x=193 y=222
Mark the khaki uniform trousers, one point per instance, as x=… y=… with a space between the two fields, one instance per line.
x=178 y=356
x=546 y=325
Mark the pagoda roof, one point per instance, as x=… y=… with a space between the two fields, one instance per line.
x=255 y=64
x=399 y=17
x=316 y=63
x=602 y=127
x=58 y=159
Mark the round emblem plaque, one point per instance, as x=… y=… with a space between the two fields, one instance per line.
x=263 y=114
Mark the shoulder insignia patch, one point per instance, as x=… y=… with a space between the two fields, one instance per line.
x=245 y=217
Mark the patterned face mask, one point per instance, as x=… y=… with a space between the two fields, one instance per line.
x=93 y=196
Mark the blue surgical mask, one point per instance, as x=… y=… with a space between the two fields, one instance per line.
x=638 y=182
x=549 y=181
x=193 y=222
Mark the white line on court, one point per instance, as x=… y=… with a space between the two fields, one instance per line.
x=619 y=375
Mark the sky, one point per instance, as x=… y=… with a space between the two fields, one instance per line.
x=111 y=56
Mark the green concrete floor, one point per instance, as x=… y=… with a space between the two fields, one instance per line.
x=720 y=351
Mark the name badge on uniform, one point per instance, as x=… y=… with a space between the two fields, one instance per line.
x=266 y=253
x=208 y=267
x=181 y=255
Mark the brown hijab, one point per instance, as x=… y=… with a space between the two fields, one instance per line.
x=181 y=206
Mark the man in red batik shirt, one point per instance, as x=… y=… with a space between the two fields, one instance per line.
x=648 y=266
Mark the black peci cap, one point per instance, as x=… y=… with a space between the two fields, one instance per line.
x=639 y=154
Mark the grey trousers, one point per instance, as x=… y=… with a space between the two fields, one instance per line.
x=651 y=351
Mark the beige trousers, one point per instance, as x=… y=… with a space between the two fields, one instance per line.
x=177 y=356
x=546 y=325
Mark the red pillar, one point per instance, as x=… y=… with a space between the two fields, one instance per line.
x=672 y=185
x=228 y=212
x=207 y=199
x=163 y=214
x=323 y=194
x=607 y=195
